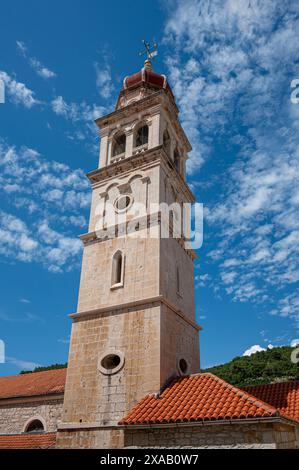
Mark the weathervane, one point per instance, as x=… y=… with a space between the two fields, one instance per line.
x=150 y=49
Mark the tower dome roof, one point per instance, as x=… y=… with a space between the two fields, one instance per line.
x=147 y=79
x=146 y=75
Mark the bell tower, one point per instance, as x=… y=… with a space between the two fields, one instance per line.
x=134 y=329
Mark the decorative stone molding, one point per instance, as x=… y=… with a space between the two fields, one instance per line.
x=144 y=303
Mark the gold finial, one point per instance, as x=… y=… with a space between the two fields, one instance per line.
x=150 y=51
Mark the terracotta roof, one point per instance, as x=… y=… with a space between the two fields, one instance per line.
x=28 y=441
x=282 y=395
x=35 y=383
x=200 y=397
x=146 y=76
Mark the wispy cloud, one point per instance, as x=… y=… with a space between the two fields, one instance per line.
x=32 y=231
x=78 y=114
x=24 y=318
x=76 y=111
x=231 y=68
x=22 y=364
x=64 y=340
x=104 y=80
x=39 y=68
x=18 y=92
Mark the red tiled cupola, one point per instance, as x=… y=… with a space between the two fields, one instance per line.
x=141 y=84
x=146 y=75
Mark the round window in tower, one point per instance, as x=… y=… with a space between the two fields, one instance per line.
x=183 y=366
x=111 y=363
x=123 y=202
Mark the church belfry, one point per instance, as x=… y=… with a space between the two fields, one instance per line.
x=134 y=329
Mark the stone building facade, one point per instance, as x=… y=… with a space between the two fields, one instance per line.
x=133 y=376
x=136 y=297
x=216 y=436
x=30 y=408
x=16 y=416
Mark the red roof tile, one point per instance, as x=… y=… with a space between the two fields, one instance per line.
x=200 y=397
x=28 y=441
x=282 y=395
x=36 y=383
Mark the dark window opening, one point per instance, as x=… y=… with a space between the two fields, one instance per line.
x=110 y=361
x=122 y=202
x=183 y=366
x=119 y=145
x=35 y=426
x=142 y=136
x=166 y=142
x=117 y=268
x=176 y=158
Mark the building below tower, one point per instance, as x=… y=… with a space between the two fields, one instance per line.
x=194 y=411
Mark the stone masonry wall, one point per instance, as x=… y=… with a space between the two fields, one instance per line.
x=91 y=439
x=91 y=396
x=261 y=436
x=13 y=418
x=179 y=340
x=141 y=272
x=286 y=437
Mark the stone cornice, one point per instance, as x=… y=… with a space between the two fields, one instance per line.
x=145 y=303
x=139 y=161
x=158 y=98
x=187 y=424
x=128 y=228
x=132 y=108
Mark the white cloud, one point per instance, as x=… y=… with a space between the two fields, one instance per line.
x=55 y=250
x=294 y=343
x=27 y=317
x=253 y=349
x=230 y=71
x=59 y=106
x=76 y=112
x=39 y=68
x=22 y=364
x=51 y=199
x=22 y=48
x=104 y=80
x=82 y=116
x=18 y=92
x=228 y=277
x=288 y=306
x=203 y=280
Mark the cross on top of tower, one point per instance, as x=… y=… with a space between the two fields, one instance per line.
x=151 y=51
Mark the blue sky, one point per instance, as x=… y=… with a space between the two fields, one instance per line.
x=230 y=65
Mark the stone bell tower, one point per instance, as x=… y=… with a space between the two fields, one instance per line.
x=134 y=329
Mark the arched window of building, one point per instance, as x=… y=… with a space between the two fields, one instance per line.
x=176 y=159
x=166 y=142
x=119 y=144
x=117 y=269
x=35 y=426
x=141 y=137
